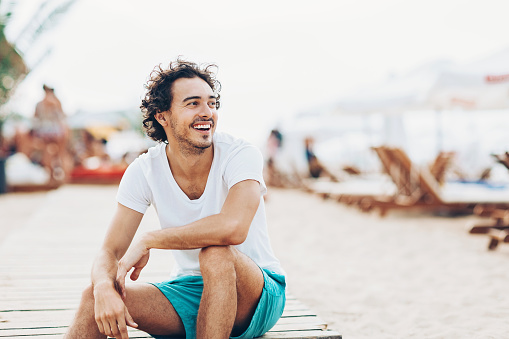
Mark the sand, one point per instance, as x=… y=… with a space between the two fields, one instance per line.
x=402 y=276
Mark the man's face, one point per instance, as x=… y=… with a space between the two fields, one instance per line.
x=193 y=114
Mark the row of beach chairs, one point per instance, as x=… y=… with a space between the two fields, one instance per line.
x=497 y=229
x=424 y=188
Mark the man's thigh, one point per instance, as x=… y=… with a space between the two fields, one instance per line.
x=152 y=311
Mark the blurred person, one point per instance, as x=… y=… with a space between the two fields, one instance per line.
x=274 y=143
x=208 y=190
x=50 y=127
x=89 y=147
x=315 y=167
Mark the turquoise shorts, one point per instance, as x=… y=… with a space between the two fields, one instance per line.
x=184 y=293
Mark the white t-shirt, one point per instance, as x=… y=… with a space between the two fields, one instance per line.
x=149 y=181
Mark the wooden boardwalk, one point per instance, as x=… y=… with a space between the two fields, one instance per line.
x=46 y=260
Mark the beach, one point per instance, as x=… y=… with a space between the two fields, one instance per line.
x=407 y=275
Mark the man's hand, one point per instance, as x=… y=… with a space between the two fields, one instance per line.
x=136 y=256
x=111 y=314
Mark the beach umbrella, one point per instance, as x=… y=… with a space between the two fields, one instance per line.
x=397 y=94
x=439 y=85
x=480 y=85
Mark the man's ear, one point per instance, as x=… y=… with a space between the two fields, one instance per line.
x=162 y=118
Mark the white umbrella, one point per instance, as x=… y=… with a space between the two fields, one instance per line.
x=396 y=94
x=480 y=85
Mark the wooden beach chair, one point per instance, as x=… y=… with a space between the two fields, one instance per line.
x=440 y=166
x=497 y=230
x=33 y=188
x=418 y=188
x=502 y=159
x=405 y=178
x=406 y=182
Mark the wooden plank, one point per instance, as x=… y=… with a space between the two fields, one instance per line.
x=55 y=322
x=62 y=317
x=49 y=322
x=44 y=318
x=313 y=334
x=298 y=327
x=304 y=332
x=302 y=325
x=44 y=331
x=309 y=319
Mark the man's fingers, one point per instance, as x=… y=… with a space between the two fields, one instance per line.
x=107 y=329
x=129 y=320
x=115 y=332
x=135 y=274
x=122 y=328
x=100 y=325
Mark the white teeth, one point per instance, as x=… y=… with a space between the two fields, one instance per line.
x=202 y=126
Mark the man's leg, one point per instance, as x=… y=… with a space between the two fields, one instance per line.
x=233 y=284
x=150 y=309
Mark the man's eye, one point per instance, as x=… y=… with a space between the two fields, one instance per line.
x=212 y=104
x=193 y=103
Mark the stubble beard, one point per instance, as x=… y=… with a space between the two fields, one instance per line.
x=186 y=145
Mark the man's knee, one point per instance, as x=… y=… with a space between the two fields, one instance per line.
x=87 y=299
x=217 y=260
x=88 y=294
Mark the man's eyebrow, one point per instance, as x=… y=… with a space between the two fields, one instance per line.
x=191 y=98
x=198 y=97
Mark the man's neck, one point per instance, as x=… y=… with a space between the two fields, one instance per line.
x=189 y=165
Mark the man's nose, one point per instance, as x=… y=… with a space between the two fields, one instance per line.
x=206 y=111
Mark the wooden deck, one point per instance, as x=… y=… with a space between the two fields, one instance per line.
x=45 y=264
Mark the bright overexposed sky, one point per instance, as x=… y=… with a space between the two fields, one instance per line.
x=275 y=58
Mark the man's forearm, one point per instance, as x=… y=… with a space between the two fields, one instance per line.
x=229 y=227
x=213 y=230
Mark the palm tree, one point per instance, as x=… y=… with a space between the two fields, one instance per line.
x=13 y=68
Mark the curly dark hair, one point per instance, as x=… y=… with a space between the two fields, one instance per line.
x=159 y=94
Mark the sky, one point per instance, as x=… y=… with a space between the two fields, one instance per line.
x=275 y=58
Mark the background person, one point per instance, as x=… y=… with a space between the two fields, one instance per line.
x=50 y=127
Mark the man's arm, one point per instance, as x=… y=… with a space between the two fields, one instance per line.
x=110 y=312
x=229 y=227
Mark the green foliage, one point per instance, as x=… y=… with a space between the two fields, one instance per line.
x=13 y=68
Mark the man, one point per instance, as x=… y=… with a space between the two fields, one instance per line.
x=207 y=189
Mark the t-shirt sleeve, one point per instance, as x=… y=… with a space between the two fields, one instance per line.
x=134 y=191
x=245 y=164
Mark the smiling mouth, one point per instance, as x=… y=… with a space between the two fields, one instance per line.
x=203 y=126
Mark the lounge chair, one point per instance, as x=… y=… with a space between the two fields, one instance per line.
x=439 y=167
x=502 y=159
x=405 y=189
x=418 y=188
x=497 y=230
x=362 y=191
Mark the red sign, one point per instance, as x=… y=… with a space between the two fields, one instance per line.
x=497 y=78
